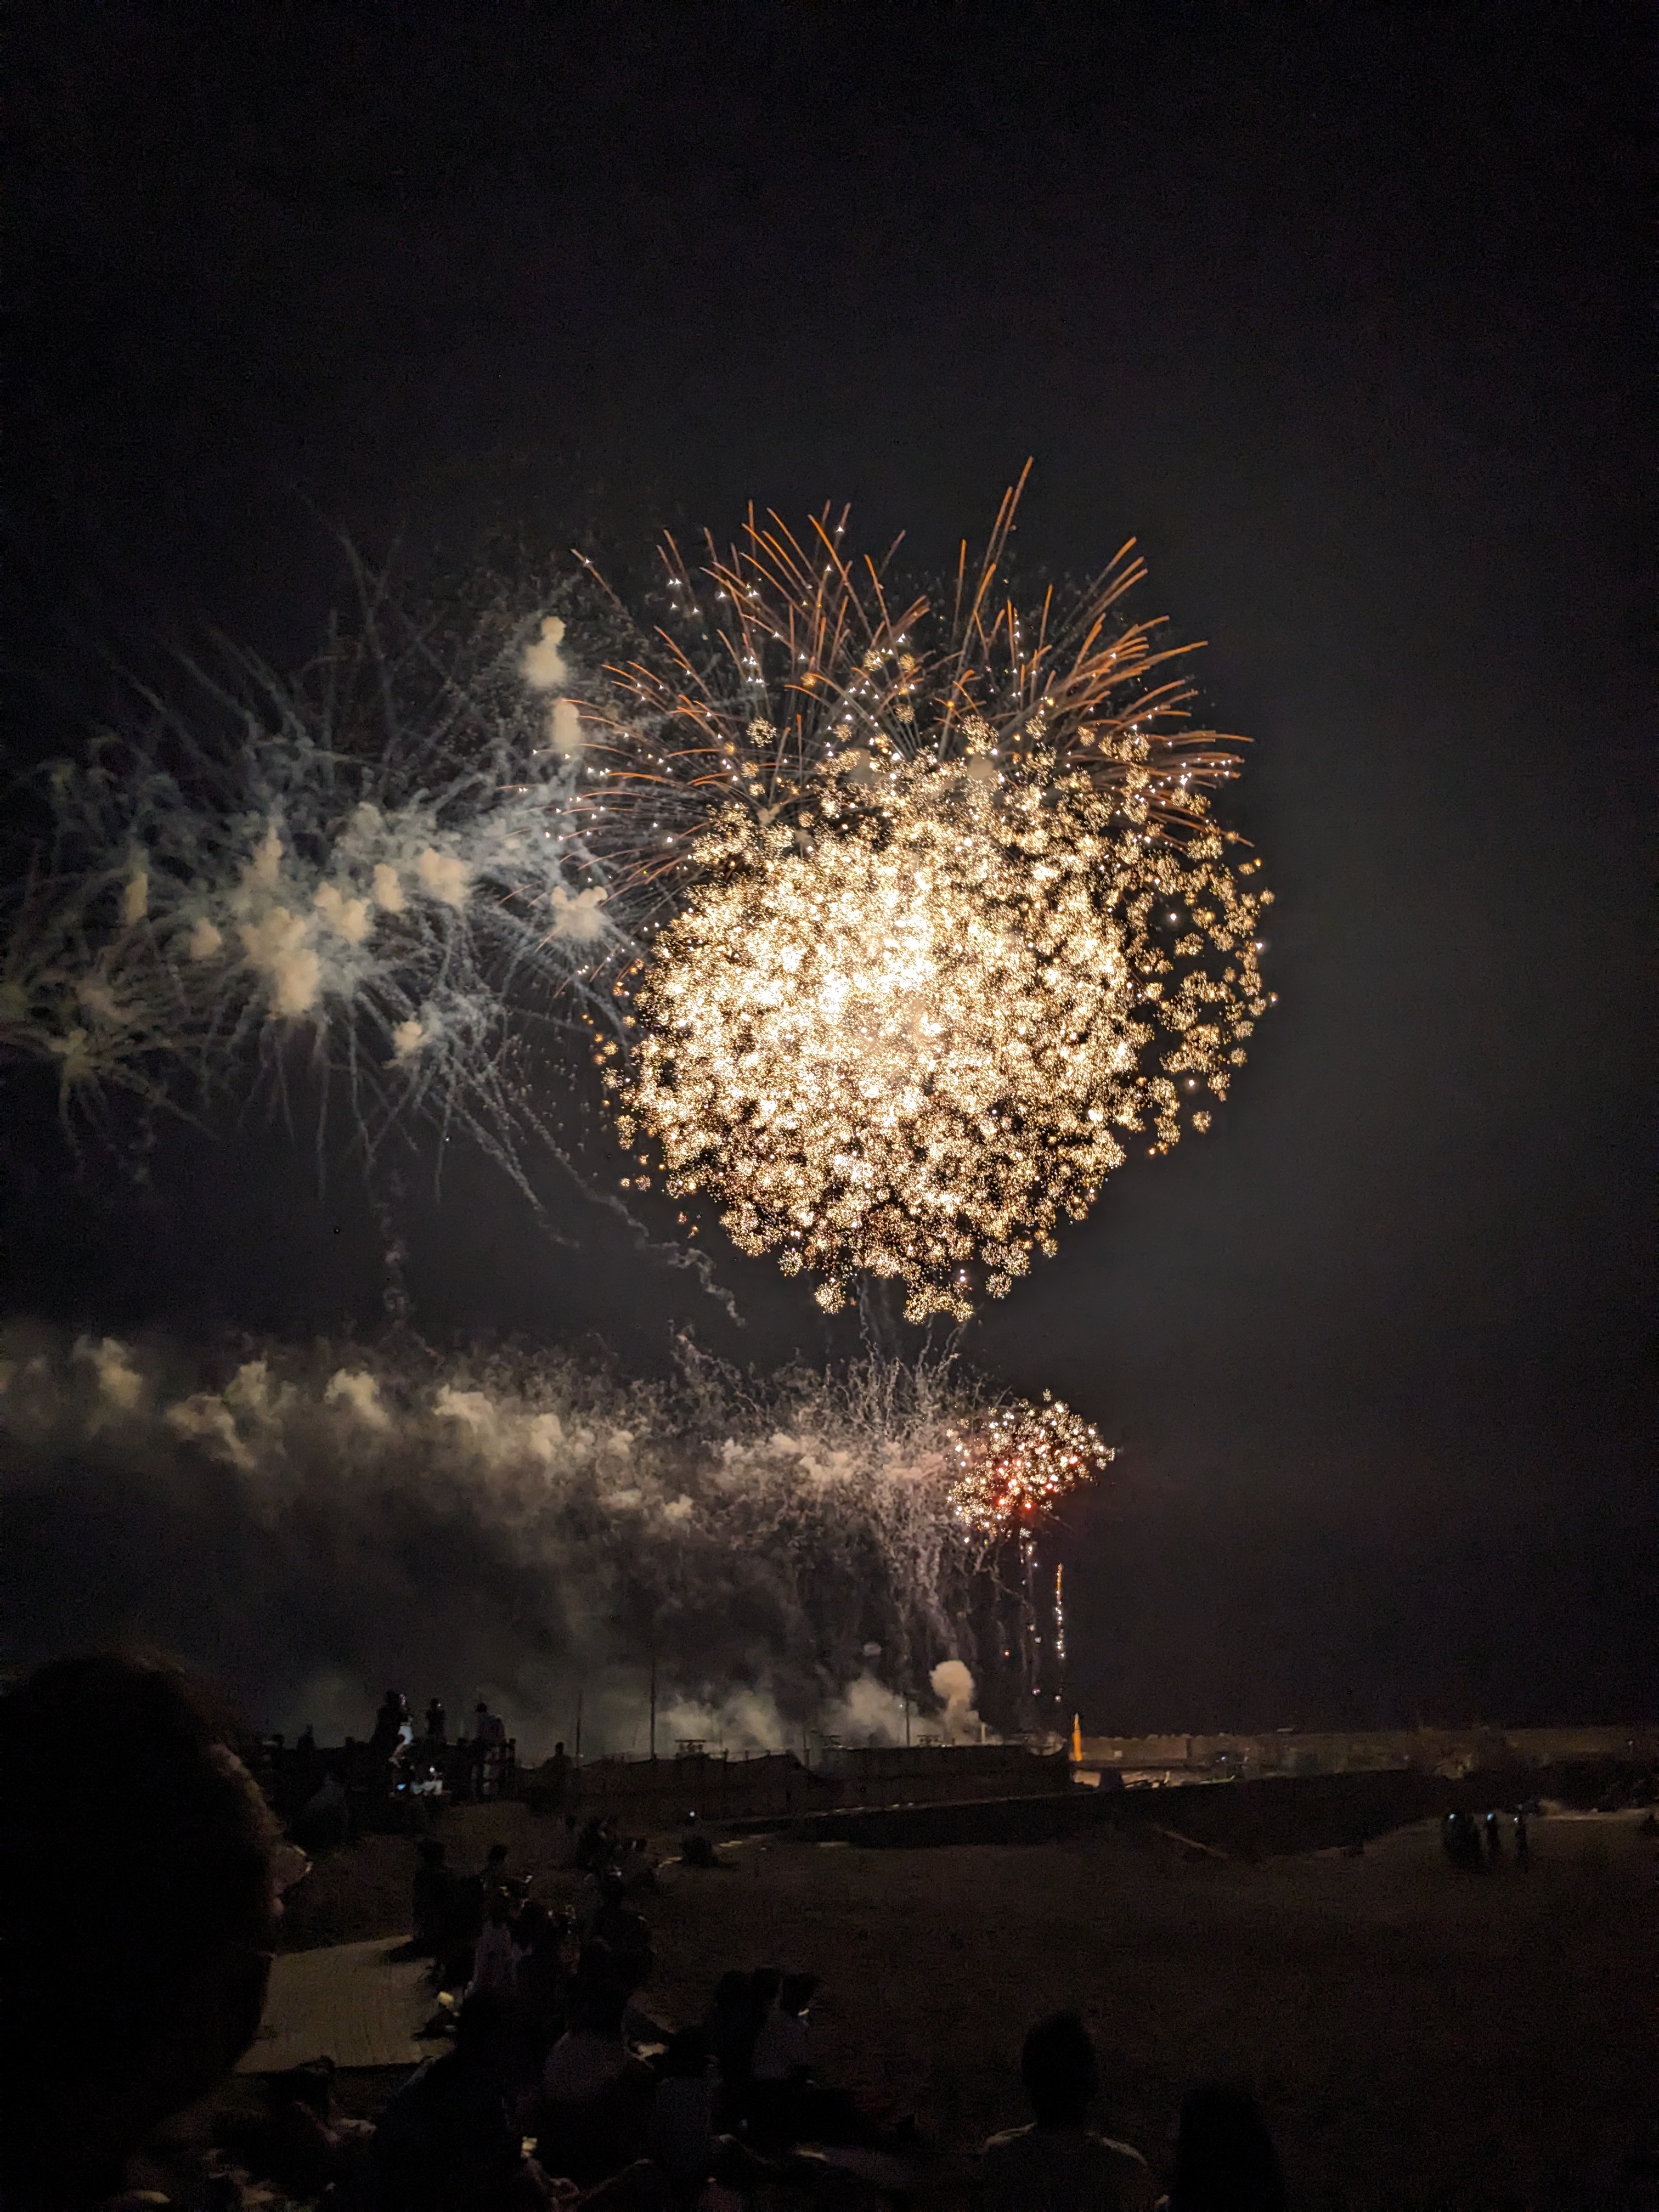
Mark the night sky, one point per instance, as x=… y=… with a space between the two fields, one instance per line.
x=1341 y=312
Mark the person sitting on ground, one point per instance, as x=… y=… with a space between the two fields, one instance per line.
x=310 y=2142
x=589 y=1851
x=623 y=1927
x=547 y=1964
x=779 y=2066
x=495 y=1955
x=680 y=2137
x=1224 y=2157
x=595 y=2097
x=730 y=2025
x=450 y=2139
x=1058 y=2164
x=695 y=1848
x=637 y=1866
x=494 y=1874
x=138 y=1902
x=781 y=2051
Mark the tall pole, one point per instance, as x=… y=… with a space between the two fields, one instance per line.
x=579 y=1723
x=653 y=1701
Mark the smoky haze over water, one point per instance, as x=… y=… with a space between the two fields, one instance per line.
x=1338 y=314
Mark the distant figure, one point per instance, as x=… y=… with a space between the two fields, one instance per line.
x=1224 y=2157
x=389 y=1723
x=488 y=1751
x=1523 y=1846
x=138 y=1914
x=556 y=1777
x=306 y=1744
x=436 y=1727
x=1494 y=1839
x=1059 y=2164
x=695 y=1850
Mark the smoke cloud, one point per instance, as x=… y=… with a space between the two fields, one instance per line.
x=311 y=1525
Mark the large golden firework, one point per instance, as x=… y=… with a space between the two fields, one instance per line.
x=1017 y=1460
x=954 y=927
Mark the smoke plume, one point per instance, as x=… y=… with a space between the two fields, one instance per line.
x=310 y=1526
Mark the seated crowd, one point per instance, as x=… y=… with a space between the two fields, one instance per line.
x=141 y=1905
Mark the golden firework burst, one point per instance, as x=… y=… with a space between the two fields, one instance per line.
x=954 y=929
x=1019 y=1459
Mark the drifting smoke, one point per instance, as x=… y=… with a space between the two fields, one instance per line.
x=374 y=870
x=310 y=1526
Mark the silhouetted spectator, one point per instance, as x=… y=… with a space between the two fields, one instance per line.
x=488 y=1751
x=557 y=1779
x=680 y=2137
x=306 y=1744
x=493 y=1874
x=625 y=1928
x=1058 y=2164
x=449 y=2140
x=389 y=1722
x=310 y=2142
x=695 y=1848
x=1522 y=1844
x=495 y=1956
x=730 y=2025
x=1224 y=2157
x=1494 y=1839
x=436 y=1725
x=596 y=2101
x=138 y=1908
x=780 y=2064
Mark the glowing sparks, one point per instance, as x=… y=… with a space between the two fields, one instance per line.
x=1017 y=1460
x=958 y=928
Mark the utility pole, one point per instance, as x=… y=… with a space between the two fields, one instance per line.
x=579 y=1723
x=653 y=1701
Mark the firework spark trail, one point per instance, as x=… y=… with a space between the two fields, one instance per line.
x=376 y=858
x=519 y=1522
x=937 y=925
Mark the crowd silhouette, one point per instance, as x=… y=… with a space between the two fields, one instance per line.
x=142 y=1900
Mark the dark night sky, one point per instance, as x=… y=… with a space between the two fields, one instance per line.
x=1342 y=310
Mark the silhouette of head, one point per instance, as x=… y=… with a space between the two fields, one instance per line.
x=1058 y=2068
x=138 y=1908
